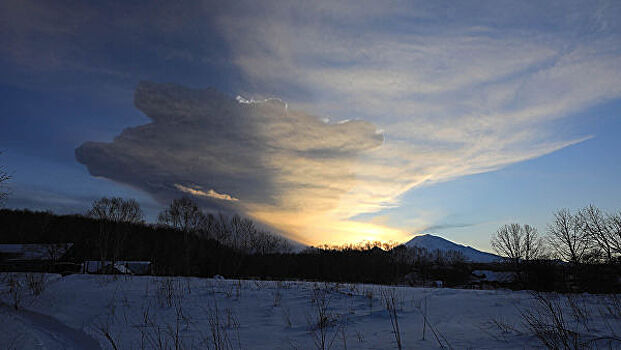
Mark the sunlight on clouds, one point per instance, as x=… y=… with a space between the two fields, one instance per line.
x=317 y=228
x=290 y=170
x=293 y=171
x=452 y=100
x=428 y=99
x=211 y=193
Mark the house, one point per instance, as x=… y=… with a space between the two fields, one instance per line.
x=33 y=252
x=489 y=279
x=119 y=267
x=44 y=257
x=494 y=276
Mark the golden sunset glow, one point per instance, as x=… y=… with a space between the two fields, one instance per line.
x=329 y=129
x=323 y=228
x=357 y=174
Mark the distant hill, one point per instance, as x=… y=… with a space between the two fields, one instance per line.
x=432 y=243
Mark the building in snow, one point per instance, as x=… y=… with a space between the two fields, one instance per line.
x=119 y=267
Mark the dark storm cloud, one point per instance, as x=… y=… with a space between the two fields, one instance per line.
x=229 y=153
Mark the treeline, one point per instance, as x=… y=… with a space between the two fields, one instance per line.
x=185 y=241
x=579 y=251
x=185 y=216
x=173 y=252
x=117 y=218
x=92 y=240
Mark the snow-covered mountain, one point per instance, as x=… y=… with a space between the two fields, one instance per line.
x=432 y=243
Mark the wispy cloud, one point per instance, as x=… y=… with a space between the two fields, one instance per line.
x=426 y=93
x=455 y=96
x=444 y=226
x=210 y=193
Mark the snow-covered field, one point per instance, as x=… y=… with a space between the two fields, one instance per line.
x=90 y=312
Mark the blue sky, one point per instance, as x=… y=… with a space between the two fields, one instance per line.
x=471 y=208
x=390 y=118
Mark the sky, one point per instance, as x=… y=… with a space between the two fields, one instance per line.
x=327 y=122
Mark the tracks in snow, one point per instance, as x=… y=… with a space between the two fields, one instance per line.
x=51 y=333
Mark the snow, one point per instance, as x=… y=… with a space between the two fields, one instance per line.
x=433 y=243
x=136 y=311
x=35 y=330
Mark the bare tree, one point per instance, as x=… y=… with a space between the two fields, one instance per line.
x=268 y=243
x=507 y=242
x=595 y=226
x=516 y=243
x=116 y=209
x=184 y=214
x=534 y=245
x=246 y=237
x=113 y=215
x=4 y=178
x=566 y=237
x=614 y=227
x=218 y=228
x=55 y=251
x=242 y=234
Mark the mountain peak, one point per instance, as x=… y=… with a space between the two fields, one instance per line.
x=433 y=243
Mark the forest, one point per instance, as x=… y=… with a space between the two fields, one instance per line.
x=187 y=242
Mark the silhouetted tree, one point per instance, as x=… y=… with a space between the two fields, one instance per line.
x=4 y=178
x=184 y=215
x=264 y=242
x=246 y=237
x=595 y=226
x=55 y=251
x=518 y=243
x=217 y=227
x=116 y=209
x=242 y=234
x=114 y=214
x=534 y=245
x=614 y=226
x=567 y=239
x=523 y=248
x=507 y=242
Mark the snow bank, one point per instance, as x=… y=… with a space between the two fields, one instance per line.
x=135 y=312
